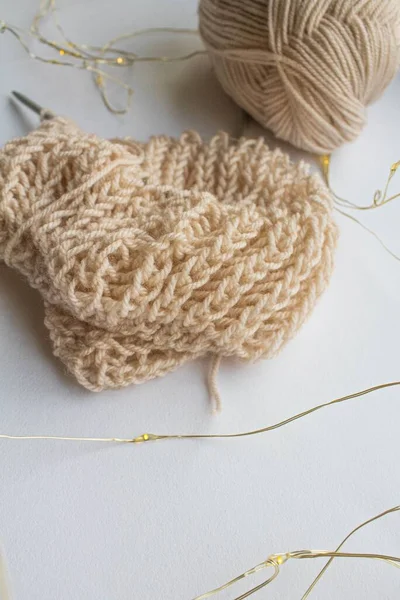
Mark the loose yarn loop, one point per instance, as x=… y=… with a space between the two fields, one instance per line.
x=306 y=70
x=150 y=255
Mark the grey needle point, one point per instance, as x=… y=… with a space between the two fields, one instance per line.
x=39 y=110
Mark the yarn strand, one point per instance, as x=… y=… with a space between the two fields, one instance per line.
x=212 y=383
x=150 y=255
x=307 y=75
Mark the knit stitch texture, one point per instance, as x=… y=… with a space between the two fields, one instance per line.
x=150 y=255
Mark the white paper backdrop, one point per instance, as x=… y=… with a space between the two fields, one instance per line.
x=172 y=520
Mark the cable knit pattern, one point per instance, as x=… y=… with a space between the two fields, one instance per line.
x=149 y=255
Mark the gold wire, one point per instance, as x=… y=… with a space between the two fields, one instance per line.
x=371 y=231
x=260 y=567
x=92 y=58
x=276 y=560
x=66 y=438
x=324 y=569
x=380 y=199
x=100 y=74
x=276 y=425
x=149 y=437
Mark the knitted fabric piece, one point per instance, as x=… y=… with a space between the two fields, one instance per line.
x=150 y=255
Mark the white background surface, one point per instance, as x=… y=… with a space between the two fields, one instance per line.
x=172 y=520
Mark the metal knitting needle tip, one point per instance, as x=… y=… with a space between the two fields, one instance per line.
x=27 y=102
x=39 y=110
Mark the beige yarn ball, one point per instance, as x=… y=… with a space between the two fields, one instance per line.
x=307 y=69
x=150 y=255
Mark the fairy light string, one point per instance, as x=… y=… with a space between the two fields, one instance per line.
x=152 y=437
x=92 y=59
x=95 y=60
x=348 y=536
x=381 y=198
x=275 y=561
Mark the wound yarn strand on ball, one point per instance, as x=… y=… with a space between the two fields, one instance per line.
x=305 y=70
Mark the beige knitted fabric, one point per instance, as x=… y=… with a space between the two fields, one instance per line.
x=149 y=255
x=307 y=69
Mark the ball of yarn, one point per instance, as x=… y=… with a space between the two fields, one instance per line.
x=306 y=70
x=150 y=255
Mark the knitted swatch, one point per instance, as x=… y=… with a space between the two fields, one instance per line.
x=150 y=255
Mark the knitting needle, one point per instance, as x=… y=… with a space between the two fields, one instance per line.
x=44 y=113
